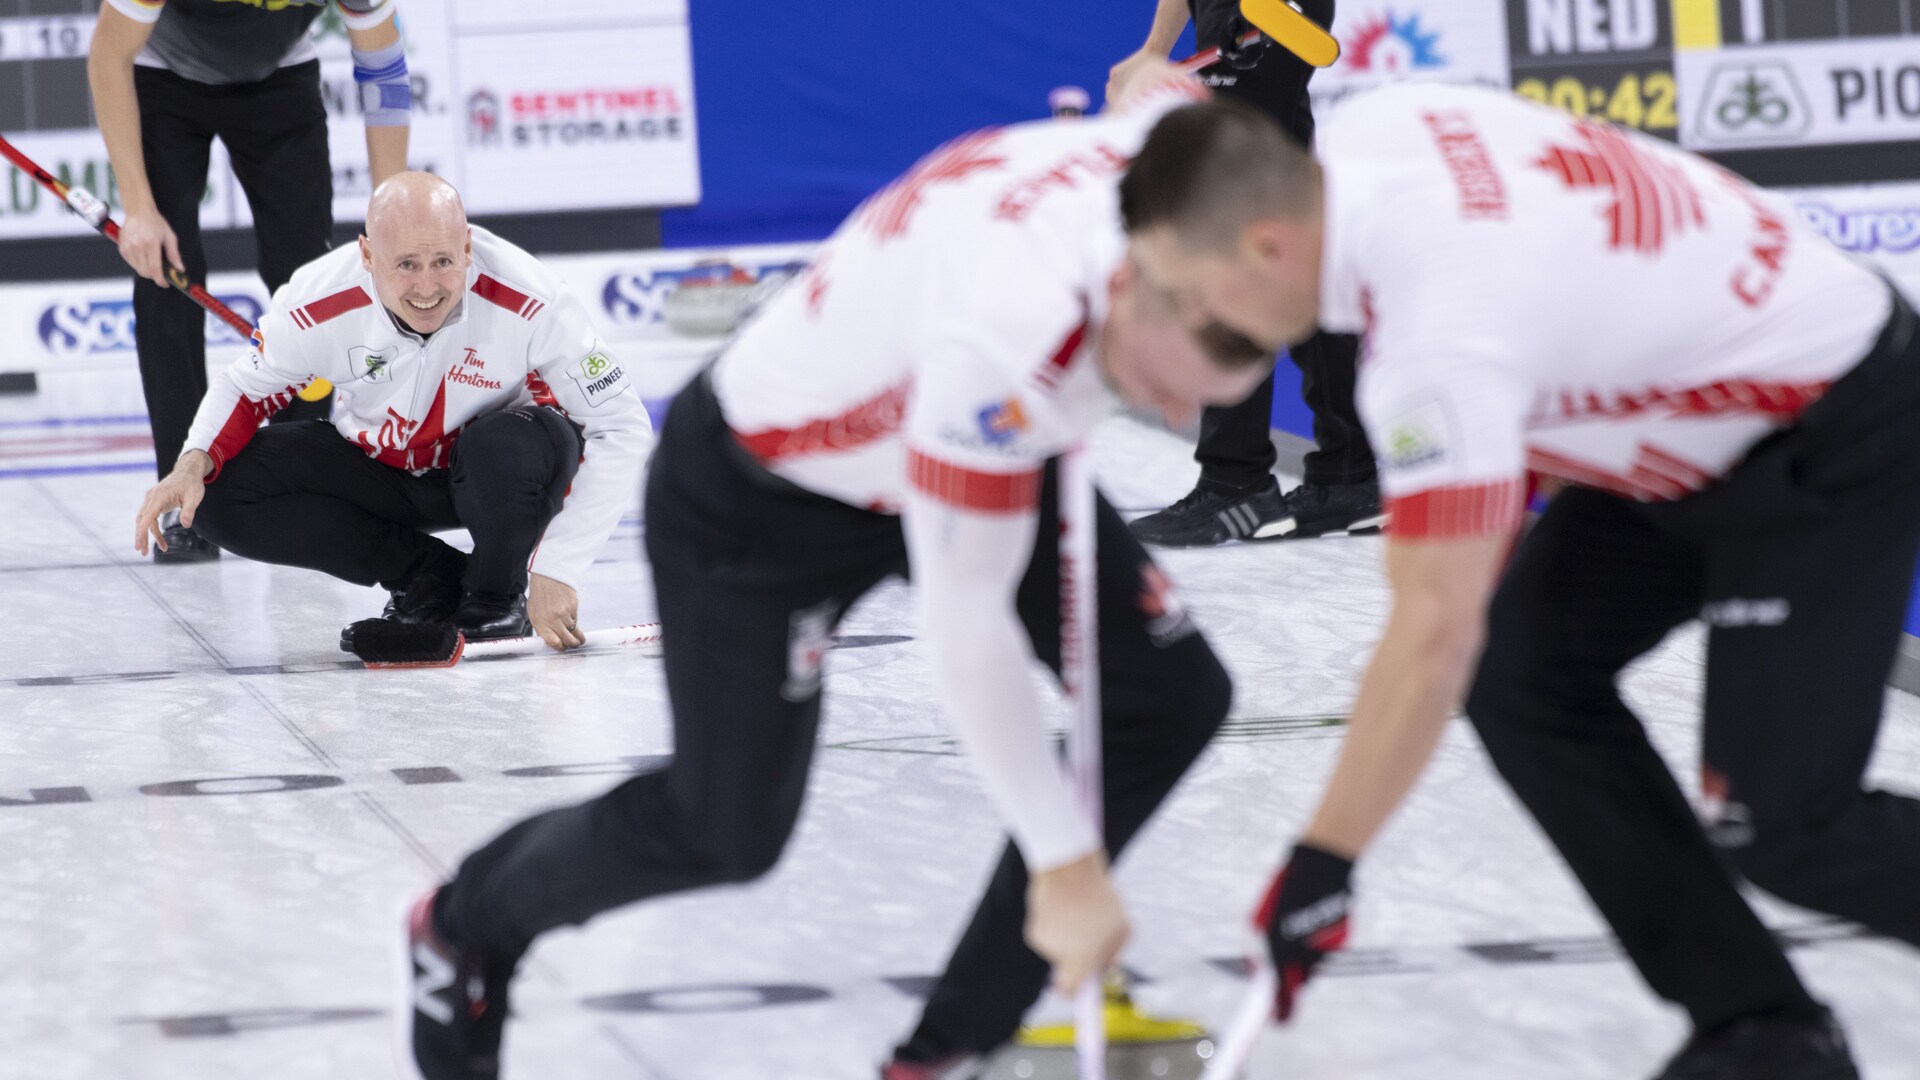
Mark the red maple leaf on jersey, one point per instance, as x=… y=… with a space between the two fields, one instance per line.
x=1651 y=198
x=889 y=212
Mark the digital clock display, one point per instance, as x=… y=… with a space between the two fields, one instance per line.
x=1645 y=99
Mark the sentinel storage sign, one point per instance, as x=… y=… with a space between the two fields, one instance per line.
x=526 y=108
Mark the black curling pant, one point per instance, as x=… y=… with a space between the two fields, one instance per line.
x=1235 y=449
x=1236 y=452
x=275 y=132
x=1801 y=564
x=751 y=574
x=301 y=495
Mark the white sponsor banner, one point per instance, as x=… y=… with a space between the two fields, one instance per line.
x=592 y=104
x=1859 y=90
x=69 y=325
x=1382 y=42
x=1878 y=222
x=78 y=158
x=77 y=325
x=592 y=118
x=626 y=290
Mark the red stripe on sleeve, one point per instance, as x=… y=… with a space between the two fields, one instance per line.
x=246 y=418
x=332 y=307
x=992 y=493
x=1457 y=511
x=506 y=296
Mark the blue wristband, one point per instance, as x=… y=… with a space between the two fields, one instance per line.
x=386 y=93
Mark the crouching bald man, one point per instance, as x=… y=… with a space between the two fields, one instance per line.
x=473 y=392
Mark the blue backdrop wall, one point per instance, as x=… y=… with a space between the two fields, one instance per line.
x=805 y=109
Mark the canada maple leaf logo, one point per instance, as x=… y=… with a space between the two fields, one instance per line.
x=1651 y=200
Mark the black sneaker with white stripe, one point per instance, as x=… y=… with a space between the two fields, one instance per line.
x=453 y=1005
x=1323 y=509
x=1205 y=518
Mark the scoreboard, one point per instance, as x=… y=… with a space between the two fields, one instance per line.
x=43 y=64
x=1770 y=87
x=1789 y=77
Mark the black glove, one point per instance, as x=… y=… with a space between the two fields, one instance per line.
x=1304 y=918
x=1236 y=55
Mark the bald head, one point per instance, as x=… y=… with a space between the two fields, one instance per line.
x=417 y=247
x=413 y=199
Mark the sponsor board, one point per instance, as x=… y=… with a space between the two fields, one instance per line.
x=58 y=326
x=621 y=136
x=88 y=325
x=78 y=325
x=1789 y=94
x=1877 y=222
x=627 y=291
x=78 y=158
x=1383 y=41
x=594 y=118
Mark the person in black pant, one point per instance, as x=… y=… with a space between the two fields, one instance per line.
x=475 y=391
x=1744 y=450
x=1237 y=496
x=168 y=76
x=779 y=496
x=295 y=497
x=744 y=737
x=1801 y=562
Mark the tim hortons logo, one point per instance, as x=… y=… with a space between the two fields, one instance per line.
x=467 y=373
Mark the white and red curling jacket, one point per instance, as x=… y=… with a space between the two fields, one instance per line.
x=942 y=346
x=519 y=336
x=1546 y=293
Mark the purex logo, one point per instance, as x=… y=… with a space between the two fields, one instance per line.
x=88 y=327
x=634 y=297
x=1890 y=229
x=1386 y=43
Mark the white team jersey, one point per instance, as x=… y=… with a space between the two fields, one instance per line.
x=941 y=347
x=519 y=336
x=946 y=332
x=1540 y=292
